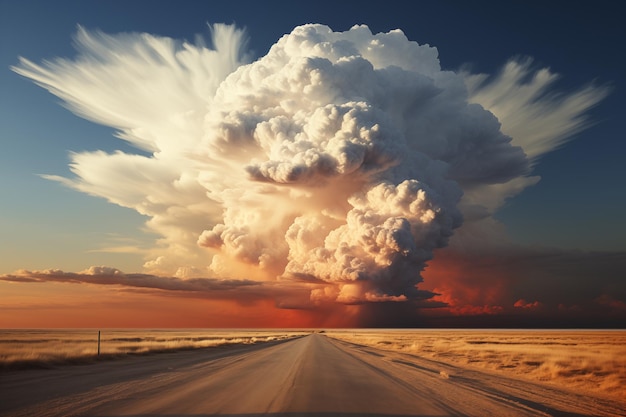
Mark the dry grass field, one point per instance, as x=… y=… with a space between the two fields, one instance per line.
x=45 y=348
x=593 y=362
x=349 y=372
x=585 y=361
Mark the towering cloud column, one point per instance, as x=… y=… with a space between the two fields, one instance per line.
x=338 y=159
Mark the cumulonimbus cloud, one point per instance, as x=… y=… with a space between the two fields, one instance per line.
x=339 y=158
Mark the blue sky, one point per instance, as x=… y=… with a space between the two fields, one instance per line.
x=579 y=203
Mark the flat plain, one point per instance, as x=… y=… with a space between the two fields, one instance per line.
x=592 y=361
x=371 y=373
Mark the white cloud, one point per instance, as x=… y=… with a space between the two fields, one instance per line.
x=338 y=157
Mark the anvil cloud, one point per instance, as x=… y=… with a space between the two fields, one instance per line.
x=340 y=160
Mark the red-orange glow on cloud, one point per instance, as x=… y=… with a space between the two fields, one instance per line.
x=527 y=287
x=521 y=303
x=467 y=289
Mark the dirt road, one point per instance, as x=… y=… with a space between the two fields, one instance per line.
x=312 y=376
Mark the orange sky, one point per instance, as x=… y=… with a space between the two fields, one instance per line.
x=472 y=293
x=65 y=305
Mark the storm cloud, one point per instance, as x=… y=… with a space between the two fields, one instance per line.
x=342 y=160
